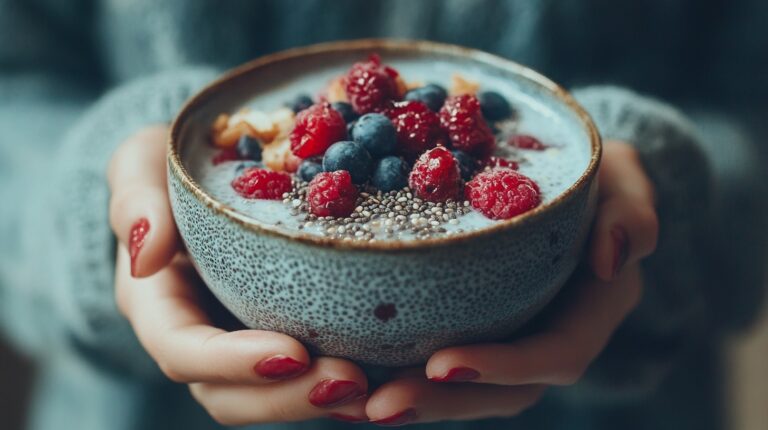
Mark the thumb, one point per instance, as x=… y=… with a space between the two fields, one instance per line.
x=139 y=210
x=626 y=226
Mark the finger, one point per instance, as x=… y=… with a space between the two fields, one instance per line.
x=626 y=225
x=139 y=211
x=332 y=387
x=557 y=356
x=166 y=316
x=416 y=400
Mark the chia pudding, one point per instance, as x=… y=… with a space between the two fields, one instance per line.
x=390 y=154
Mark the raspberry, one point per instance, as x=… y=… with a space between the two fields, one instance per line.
x=525 y=141
x=494 y=161
x=255 y=183
x=332 y=194
x=502 y=193
x=463 y=120
x=435 y=176
x=316 y=128
x=228 y=154
x=370 y=86
x=418 y=128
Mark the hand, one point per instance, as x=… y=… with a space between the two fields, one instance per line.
x=503 y=379
x=240 y=377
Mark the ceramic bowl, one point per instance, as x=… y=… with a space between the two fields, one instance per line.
x=381 y=303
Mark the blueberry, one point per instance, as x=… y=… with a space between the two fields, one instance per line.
x=467 y=164
x=249 y=148
x=349 y=156
x=309 y=168
x=246 y=165
x=301 y=102
x=432 y=95
x=350 y=127
x=376 y=133
x=346 y=111
x=494 y=106
x=390 y=173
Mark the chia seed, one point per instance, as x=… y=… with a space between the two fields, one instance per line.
x=380 y=214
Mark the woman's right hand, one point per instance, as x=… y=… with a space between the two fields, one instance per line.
x=240 y=377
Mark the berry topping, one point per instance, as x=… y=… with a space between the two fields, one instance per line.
x=332 y=194
x=265 y=184
x=461 y=118
x=432 y=95
x=370 y=86
x=248 y=148
x=301 y=102
x=435 y=176
x=316 y=128
x=467 y=165
x=525 y=141
x=376 y=133
x=346 y=111
x=502 y=193
x=418 y=128
x=494 y=161
x=308 y=169
x=390 y=173
x=228 y=154
x=349 y=156
x=494 y=106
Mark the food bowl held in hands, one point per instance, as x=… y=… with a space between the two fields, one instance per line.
x=389 y=302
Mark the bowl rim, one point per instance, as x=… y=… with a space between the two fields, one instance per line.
x=176 y=167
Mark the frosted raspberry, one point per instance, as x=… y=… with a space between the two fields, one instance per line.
x=418 y=128
x=502 y=193
x=435 y=176
x=332 y=194
x=316 y=128
x=525 y=141
x=370 y=87
x=256 y=183
x=467 y=130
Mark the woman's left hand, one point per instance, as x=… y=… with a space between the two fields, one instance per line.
x=503 y=379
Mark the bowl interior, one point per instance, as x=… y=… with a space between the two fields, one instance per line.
x=267 y=83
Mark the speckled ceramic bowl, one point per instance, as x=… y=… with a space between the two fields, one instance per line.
x=383 y=303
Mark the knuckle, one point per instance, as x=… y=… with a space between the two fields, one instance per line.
x=171 y=373
x=202 y=394
x=280 y=412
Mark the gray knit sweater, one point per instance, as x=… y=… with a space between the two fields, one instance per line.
x=78 y=77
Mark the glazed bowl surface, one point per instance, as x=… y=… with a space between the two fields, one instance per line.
x=390 y=303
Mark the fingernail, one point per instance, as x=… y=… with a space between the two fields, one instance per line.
x=279 y=367
x=457 y=374
x=330 y=393
x=397 y=419
x=348 y=418
x=138 y=233
x=620 y=249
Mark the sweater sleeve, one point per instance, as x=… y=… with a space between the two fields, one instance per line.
x=84 y=267
x=684 y=299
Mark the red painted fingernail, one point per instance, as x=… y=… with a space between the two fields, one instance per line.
x=330 y=392
x=348 y=418
x=279 y=367
x=620 y=249
x=136 y=238
x=457 y=374
x=397 y=419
